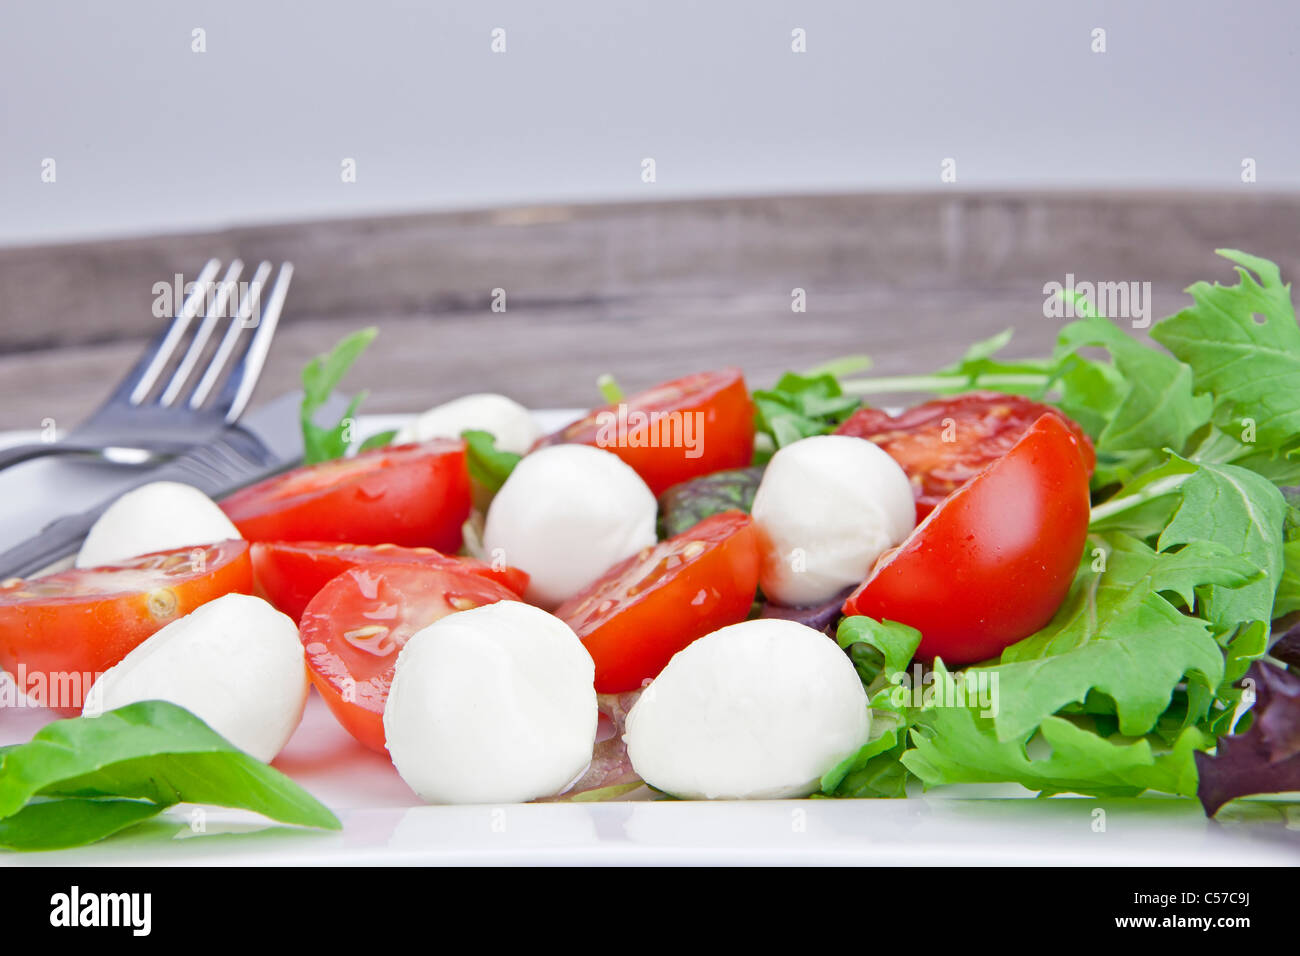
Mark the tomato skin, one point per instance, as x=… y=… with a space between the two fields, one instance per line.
x=994 y=561
x=352 y=669
x=290 y=573
x=414 y=496
x=944 y=443
x=644 y=610
x=86 y=620
x=722 y=416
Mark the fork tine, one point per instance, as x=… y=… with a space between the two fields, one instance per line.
x=200 y=341
x=252 y=293
x=147 y=378
x=243 y=379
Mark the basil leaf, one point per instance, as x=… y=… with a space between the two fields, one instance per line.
x=152 y=751
x=59 y=824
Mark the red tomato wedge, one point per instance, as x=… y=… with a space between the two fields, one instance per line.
x=647 y=608
x=355 y=627
x=290 y=573
x=944 y=443
x=993 y=562
x=679 y=430
x=61 y=631
x=409 y=495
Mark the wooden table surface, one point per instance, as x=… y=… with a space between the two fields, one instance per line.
x=644 y=291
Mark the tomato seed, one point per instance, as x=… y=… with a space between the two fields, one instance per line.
x=162 y=604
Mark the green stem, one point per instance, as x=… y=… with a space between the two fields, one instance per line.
x=848 y=365
x=609 y=389
x=940 y=383
x=1156 y=489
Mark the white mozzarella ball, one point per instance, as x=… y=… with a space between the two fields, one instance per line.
x=492 y=705
x=827 y=507
x=566 y=515
x=757 y=710
x=158 y=516
x=509 y=422
x=236 y=663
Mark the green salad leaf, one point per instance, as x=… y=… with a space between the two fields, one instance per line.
x=1193 y=551
x=881 y=652
x=1244 y=512
x=1157 y=409
x=685 y=505
x=956 y=744
x=800 y=406
x=1288 y=589
x=60 y=824
x=320 y=377
x=1118 y=634
x=1242 y=345
x=488 y=465
x=88 y=777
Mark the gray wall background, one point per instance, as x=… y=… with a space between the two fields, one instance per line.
x=149 y=136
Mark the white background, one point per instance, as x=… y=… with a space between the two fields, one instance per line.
x=149 y=136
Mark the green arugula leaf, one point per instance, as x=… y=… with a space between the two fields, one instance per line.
x=1158 y=409
x=151 y=751
x=799 y=406
x=1019 y=376
x=320 y=377
x=488 y=465
x=1242 y=344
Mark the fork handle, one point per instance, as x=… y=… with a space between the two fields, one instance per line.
x=57 y=540
x=121 y=455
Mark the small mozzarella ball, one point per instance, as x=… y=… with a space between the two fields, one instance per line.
x=159 y=516
x=827 y=507
x=566 y=515
x=236 y=663
x=492 y=705
x=758 y=710
x=509 y=422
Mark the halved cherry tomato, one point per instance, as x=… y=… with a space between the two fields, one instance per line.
x=63 y=630
x=354 y=628
x=679 y=430
x=993 y=562
x=944 y=443
x=644 y=610
x=409 y=495
x=291 y=573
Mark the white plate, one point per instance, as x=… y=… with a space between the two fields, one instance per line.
x=383 y=822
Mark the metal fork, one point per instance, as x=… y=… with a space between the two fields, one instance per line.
x=130 y=427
